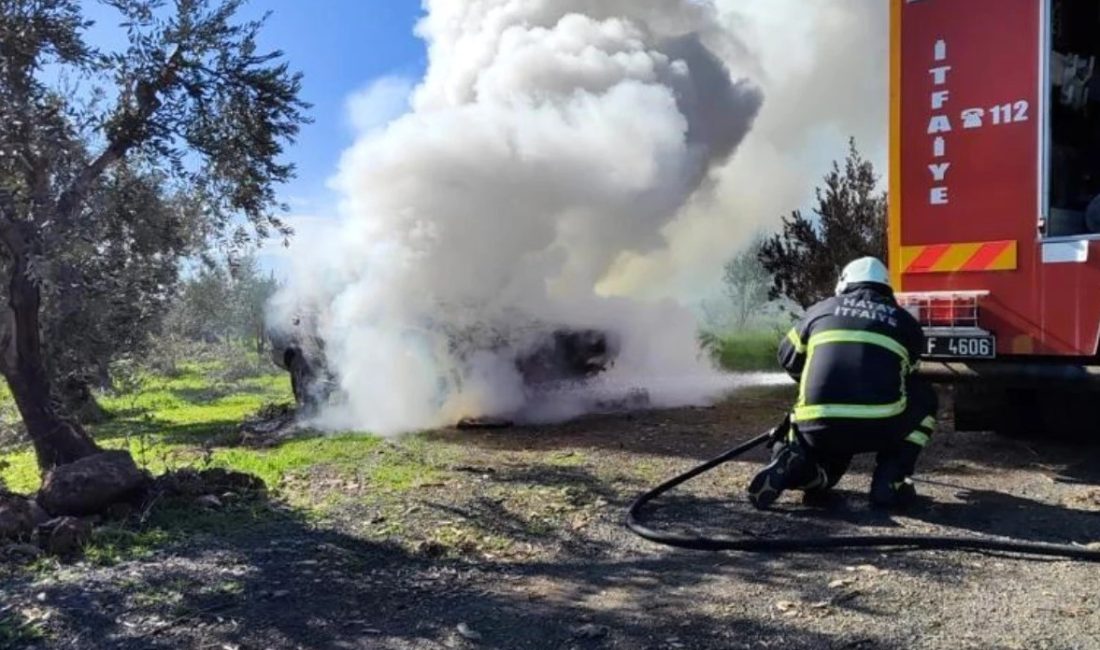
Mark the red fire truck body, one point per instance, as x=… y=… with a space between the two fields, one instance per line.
x=994 y=229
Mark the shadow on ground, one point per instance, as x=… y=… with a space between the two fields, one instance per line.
x=211 y=432
x=699 y=434
x=278 y=581
x=207 y=394
x=982 y=512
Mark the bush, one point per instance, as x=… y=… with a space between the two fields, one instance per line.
x=849 y=222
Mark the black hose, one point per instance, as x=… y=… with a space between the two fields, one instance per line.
x=820 y=544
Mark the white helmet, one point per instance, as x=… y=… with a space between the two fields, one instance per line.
x=865 y=269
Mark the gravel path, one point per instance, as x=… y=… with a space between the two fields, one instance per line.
x=520 y=545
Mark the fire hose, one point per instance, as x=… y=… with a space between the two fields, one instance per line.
x=827 y=544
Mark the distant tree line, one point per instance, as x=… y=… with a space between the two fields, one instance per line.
x=223 y=302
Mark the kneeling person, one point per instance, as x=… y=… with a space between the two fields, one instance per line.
x=854 y=357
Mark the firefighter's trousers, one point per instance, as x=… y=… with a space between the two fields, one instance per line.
x=825 y=449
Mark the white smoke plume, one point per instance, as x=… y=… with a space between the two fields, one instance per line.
x=822 y=66
x=548 y=140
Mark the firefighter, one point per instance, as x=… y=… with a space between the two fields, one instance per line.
x=853 y=356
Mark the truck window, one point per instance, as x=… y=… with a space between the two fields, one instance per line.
x=1074 y=113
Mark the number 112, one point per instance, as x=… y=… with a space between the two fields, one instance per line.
x=1010 y=113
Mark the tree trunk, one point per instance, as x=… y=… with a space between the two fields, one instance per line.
x=78 y=401
x=56 y=441
x=261 y=342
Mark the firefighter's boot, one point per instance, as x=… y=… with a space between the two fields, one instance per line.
x=790 y=468
x=891 y=486
x=893 y=494
x=821 y=494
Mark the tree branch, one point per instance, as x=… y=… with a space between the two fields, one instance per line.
x=131 y=132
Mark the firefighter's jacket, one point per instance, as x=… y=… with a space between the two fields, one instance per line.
x=852 y=356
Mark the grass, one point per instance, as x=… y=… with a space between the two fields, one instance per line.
x=19 y=472
x=746 y=351
x=275 y=465
x=410 y=491
x=166 y=430
x=169 y=422
x=188 y=420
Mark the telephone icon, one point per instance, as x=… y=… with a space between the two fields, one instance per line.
x=972 y=118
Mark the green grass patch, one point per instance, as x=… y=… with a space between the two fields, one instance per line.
x=747 y=351
x=111 y=545
x=304 y=470
x=401 y=475
x=566 y=459
x=167 y=422
x=274 y=465
x=19 y=472
x=195 y=402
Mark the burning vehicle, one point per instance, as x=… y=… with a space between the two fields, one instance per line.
x=545 y=357
x=301 y=353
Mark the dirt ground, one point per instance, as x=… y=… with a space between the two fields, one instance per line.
x=519 y=543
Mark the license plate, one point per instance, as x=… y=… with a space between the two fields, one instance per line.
x=951 y=346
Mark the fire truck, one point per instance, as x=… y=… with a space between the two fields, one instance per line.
x=994 y=220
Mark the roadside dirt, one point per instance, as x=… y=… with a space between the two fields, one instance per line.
x=520 y=544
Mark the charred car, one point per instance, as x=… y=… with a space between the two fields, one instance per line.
x=548 y=356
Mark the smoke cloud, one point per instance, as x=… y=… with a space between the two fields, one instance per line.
x=822 y=67
x=557 y=165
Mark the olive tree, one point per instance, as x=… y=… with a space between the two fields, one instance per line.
x=190 y=99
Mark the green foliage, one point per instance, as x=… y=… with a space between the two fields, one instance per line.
x=190 y=95
x=849 y=222
x=111 y=279
x=174 y=138
x=745 y=351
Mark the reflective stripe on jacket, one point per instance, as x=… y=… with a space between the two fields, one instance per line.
x=852 y=355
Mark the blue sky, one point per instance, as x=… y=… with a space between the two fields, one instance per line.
x=341 y=47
